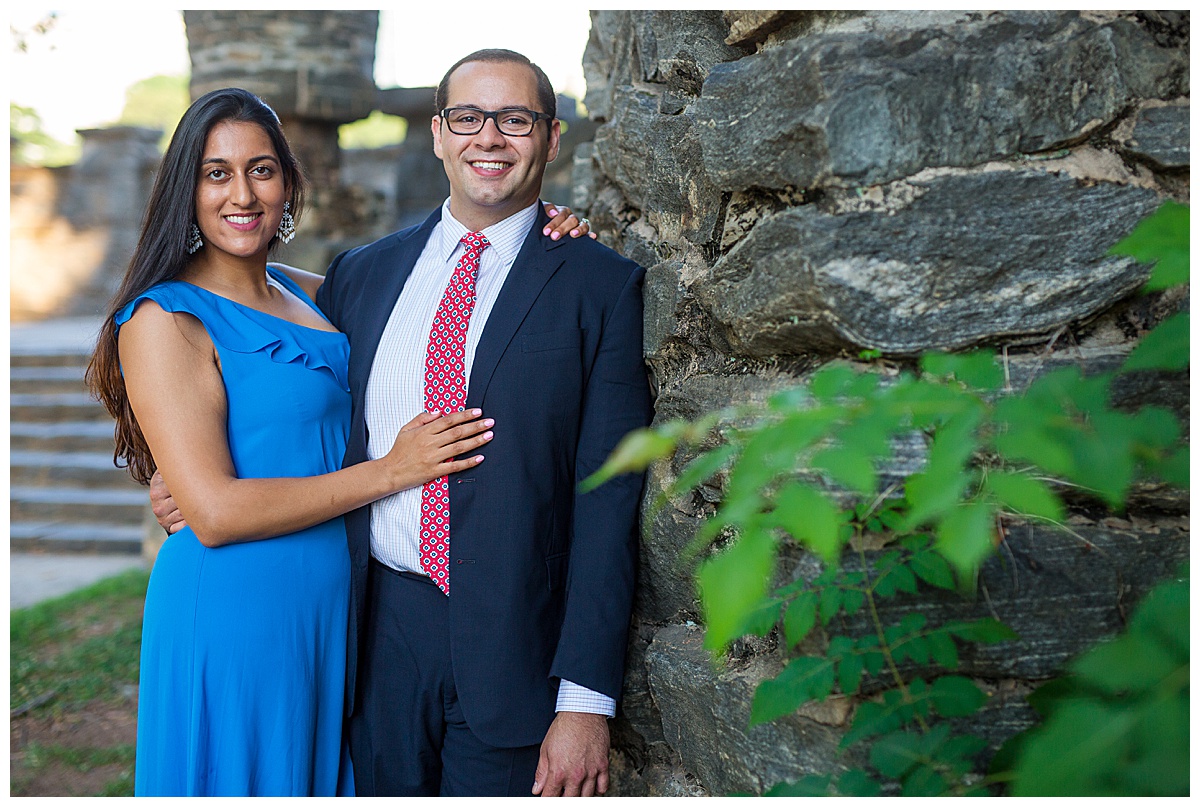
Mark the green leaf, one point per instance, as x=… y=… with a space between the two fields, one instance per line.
x=702 y=468
x=1104 y=459
x=810 y=518
x=1063 y=755
x=733 y=584
x=635 y=452
x=1130 y=664
x=852 y=600
x=1023 y=494
x=850 y=672
x=804 y=679
x=933 y=569
x=915 y=648
x=924 y=782
x=830 y=604
x=847 y=466
x=872 y=718
x=943 y=649
x=762 y=619
x=984 y=631
x=1154 y=427
x=955 y=696
x=1164 y=348
x=808 y=786
x=1163 y=236
x=940 y=485
x=966 y=536
x=977 y=369
x=895 y=754
x=857 y=782
x=800 y=618
x=1176 y=468
x=831 y=381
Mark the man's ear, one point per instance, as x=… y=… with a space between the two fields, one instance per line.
x=552 y=141
x=436 y=125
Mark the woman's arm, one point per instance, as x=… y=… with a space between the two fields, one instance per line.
x=173 y=379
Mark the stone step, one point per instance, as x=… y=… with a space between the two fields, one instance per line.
x=76 y=504
x=46 y=379
x=48 y=358
x=88 y=469
x=51 y=406
x=71 y=435
x=57 y=536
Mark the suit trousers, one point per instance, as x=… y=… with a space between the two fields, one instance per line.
x=408 y=734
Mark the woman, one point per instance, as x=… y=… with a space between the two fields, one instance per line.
x=223 y=375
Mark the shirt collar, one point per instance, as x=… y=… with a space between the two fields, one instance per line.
x=505 y=237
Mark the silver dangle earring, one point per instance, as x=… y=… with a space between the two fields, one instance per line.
x=194 y=241
x=287 y=224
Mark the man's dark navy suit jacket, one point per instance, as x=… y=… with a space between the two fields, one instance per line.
x=541 y=576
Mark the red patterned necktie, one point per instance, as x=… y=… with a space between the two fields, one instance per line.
x=446 y=392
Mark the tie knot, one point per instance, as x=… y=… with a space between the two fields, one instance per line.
x=474 y=241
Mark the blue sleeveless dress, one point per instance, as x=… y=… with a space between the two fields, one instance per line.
x=244 y=646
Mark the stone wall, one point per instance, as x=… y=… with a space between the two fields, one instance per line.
x=805 y=185
x=73 y=229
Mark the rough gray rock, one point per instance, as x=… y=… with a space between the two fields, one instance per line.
x=947 y=261
x=1161 y=135
x=705 y=715
x=655 y=160
x=661 y=294
x=1060 y=590
x=672 y=48
x=871 y=104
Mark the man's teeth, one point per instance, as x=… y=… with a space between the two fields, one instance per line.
x=490 y=166
x=241 y=219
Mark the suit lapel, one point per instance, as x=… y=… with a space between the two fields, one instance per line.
x=389 y=272
x=536 y=263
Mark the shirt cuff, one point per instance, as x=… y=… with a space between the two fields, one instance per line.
x=574 y=698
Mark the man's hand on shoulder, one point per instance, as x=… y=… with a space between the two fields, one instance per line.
x=574 y=758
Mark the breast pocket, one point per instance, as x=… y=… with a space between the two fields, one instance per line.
x=552 y=340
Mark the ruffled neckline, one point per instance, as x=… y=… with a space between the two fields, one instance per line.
x=241 y=328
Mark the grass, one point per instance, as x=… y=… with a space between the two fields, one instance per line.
x=69 y=656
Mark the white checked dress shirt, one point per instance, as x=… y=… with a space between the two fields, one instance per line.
x=396 y=387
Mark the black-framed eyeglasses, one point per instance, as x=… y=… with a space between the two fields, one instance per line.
x=514 y=122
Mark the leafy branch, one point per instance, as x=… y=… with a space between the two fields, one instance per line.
x=811 y=466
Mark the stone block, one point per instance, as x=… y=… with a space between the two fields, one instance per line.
x=1060 y=590
x=947 y=260
x=706 y=714
x=862 y=104
x=655 y=161
x=1161 y=136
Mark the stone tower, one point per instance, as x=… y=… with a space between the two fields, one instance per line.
x=315 y=68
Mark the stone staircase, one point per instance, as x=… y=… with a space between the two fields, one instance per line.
x=65 y=495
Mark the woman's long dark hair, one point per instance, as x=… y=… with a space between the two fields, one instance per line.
x=161 y=252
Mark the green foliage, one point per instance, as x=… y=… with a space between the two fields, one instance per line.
x=157 y=102
x=1164 y=239
x=374 y=131
x=804 y=468
x=29 y=144
x=1117 y=724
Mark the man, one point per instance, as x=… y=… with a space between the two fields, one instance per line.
x=460 y=694
x=498 y=678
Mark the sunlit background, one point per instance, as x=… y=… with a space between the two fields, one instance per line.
x=90 y=67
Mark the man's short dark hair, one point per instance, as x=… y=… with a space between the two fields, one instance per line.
x=545 y=93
